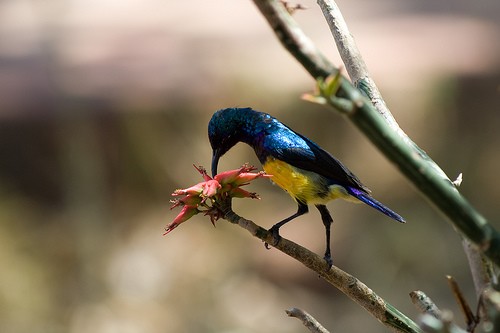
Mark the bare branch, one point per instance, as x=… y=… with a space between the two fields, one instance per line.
x=482 y=270
x=309 y=321
x=294 y=39
x=346 y=283
x=352 y=58
x=425 y=304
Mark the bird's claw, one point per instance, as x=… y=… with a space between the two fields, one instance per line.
x=276 y=238
x=329 y=261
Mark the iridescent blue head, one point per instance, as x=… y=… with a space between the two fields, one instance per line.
x=230 y=126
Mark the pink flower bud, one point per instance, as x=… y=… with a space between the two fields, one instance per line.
x=241 y=193
x=193 y=190
x=210 y=188
x=230 y=176
x=203 y=172
x=246 y=177
x=186 y=213
x=189 y=200
x=222 y=185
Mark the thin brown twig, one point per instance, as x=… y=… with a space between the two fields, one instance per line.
x=470 y=318
x=309 y=321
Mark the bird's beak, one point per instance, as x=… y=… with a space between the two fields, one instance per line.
x=215 y=161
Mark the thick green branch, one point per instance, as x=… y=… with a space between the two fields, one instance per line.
x=348 y=284
x=419 y=168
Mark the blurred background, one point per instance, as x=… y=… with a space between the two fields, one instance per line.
x=103 y=110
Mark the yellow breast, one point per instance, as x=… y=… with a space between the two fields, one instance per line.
x=302 y=185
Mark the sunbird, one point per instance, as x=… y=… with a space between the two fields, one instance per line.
x=299 y=166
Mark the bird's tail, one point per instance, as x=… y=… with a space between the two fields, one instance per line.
x=370 y=201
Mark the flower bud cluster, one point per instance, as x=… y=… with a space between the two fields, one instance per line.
x=200 y=198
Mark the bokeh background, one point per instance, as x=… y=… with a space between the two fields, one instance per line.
x=103 y=110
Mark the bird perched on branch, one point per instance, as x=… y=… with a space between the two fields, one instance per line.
x=297 y=165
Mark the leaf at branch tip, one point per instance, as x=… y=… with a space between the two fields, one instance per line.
x=317 y=99
x=457 y=182
x=332 y=85
x=325 y=89
x=326 y=93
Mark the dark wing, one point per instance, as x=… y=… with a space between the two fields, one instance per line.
x=301 y=152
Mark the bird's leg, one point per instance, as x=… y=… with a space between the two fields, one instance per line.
x=327 y=221
x=303 y=209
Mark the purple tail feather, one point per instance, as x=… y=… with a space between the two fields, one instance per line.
x=370 y=201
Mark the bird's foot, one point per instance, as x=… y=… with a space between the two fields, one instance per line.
x=276 y=237
x=329 y=260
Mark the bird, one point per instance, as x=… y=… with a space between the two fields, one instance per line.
x=309 y=174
